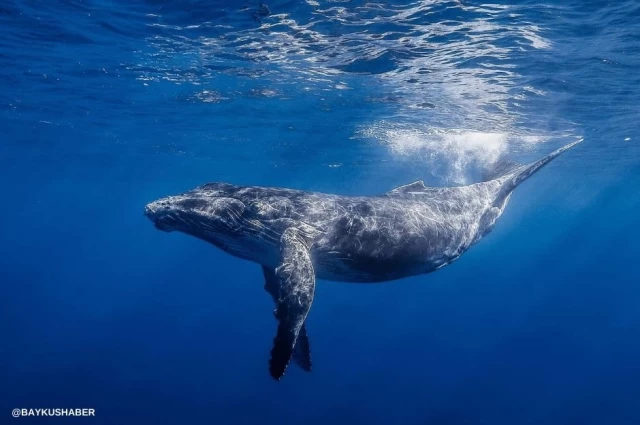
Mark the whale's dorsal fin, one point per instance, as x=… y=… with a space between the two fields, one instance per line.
x=296 y=281
x=301 y=351
x=417 y=186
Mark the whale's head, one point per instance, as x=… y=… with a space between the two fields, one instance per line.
x=205 y=212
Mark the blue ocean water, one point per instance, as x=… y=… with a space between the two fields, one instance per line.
x=106 y=105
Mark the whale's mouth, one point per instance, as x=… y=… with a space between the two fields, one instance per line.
x=191 y=214
x=161 y=219
x=161 y=225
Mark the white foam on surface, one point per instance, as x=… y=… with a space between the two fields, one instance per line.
x=449 y=154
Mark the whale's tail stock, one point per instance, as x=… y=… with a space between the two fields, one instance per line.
x=526 y=171
x=512 y=174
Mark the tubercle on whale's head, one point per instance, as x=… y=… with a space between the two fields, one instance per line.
x=194 y=211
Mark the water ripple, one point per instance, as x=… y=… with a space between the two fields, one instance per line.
x=449 y=84
x=446 y=65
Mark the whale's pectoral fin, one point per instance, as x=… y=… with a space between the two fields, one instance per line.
x=296 y=281
x=301 y=351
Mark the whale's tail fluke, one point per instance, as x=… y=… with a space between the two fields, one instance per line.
x=518 y=174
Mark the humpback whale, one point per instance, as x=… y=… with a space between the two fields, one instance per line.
x=298 y=236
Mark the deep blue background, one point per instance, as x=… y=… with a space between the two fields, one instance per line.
x=105 y=106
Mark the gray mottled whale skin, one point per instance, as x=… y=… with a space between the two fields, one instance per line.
x=299 y=236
